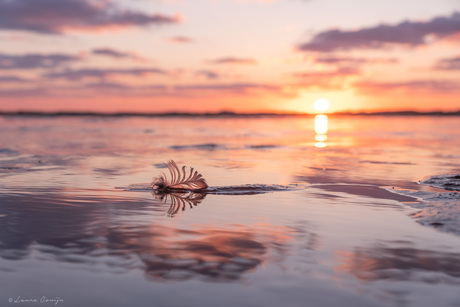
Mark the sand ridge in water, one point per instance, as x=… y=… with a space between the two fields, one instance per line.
x=440 y=209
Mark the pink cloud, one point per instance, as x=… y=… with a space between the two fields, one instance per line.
x=181 y=39
x=329 y=80
x=448 y=64
x=59 y=16
x=209 y=74
x=154 y=90
x=78 y=74
x=34 y=60
x=407 y=33
x=108 y=52
x=410 y=86
x=354 y=60
x=233 y=60
x=12 y=79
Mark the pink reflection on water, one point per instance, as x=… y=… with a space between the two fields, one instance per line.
x=93 y=152
x=125 y=234
x=400 y=261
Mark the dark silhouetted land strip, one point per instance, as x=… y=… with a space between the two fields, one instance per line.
x=218 y=114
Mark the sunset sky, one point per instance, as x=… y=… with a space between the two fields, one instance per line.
x=235 y=55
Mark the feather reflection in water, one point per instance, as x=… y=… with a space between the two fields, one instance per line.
x=179 y=200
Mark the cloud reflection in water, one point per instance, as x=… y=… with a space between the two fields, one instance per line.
x=124 y=234
x=401 y=261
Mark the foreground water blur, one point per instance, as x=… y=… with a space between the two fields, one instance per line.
x=69 y=233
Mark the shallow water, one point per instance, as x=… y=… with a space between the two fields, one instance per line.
x=73 y=230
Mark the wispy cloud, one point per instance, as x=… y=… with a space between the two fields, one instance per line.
x=188 y=90
x=410 y=86
x=11 y=79
x=448 y=64
x=31 y=92
x=240 y=88
x=330 y=80
x=209 y=74
x=31 y=61
x=233 y=60
x=343 y=71
x=58 y=16
x=117 y=89
x=106 y=85
x=354 y=60
x=111 y=53
x=108 y=52
x=180 y=39
x=78 y=74
x=407 y=33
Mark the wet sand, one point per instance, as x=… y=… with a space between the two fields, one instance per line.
x=341 y=237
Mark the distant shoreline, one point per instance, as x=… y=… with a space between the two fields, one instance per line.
x=218 y=114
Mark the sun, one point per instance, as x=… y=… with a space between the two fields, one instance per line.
x=321 y=105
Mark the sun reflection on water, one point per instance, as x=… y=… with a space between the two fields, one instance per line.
x=321 y=122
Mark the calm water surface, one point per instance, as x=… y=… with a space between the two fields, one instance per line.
x=72 y=234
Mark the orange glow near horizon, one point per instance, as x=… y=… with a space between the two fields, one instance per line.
x=214 y=103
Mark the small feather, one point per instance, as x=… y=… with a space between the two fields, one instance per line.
x=180 y=180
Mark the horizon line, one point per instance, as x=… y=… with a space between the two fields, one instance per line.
x=225 y=113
